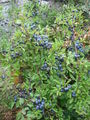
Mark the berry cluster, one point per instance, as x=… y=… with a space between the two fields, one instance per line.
x=40 y=104
x=46 y=45
x=3 y=76
x=45 y=66
x=73 y=94
x=66 y=88
x=3 y=52
x=88 y=72
x=59 y=61
x=75 y=45
x=15 y=98
x=15 y=55
x=33 y=26
x=21 y=42
x=35 y=11
x=79 y=46
x=22 y=93
x=36 y=37
x=43 y=41
x=70 y=48
x=77 y=56
x=71 y=29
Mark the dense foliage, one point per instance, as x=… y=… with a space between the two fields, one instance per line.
x=47 y=67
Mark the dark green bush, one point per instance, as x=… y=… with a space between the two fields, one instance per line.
x=71 y=1
x=47 y=54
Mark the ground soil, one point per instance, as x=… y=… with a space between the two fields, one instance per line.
x=6 y=114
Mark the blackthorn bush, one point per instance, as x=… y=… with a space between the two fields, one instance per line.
x=48 y=63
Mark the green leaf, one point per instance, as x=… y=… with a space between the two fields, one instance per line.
x=12 y=105
x=19 y=116
x=18 y=22
x=21 y=101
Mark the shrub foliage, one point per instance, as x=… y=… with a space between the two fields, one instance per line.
x=47 y=73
